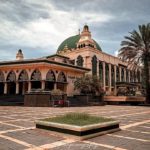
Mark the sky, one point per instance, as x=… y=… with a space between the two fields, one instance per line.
x=39 y=26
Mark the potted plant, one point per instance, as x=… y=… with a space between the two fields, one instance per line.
x=58 y=97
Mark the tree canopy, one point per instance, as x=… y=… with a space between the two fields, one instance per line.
x=136 y=50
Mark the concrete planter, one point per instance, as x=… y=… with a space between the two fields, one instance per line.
x=79 y=132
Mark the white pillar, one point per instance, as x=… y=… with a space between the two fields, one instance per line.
x=17 y=88
x=84 y=63
x=125 y=75
x=43 y=85
x=115 y=74
x=120 y=74
x=129 y=76
x=104 y=82
x=29 y=86
x=5 y=88
x=55 y=86
x=110 y=78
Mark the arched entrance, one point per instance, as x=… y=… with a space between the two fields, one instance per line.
x=11 y=83
x=61 y=82
x=36 y=80
x=50 y=80
x=23 y=82
x=2 y=79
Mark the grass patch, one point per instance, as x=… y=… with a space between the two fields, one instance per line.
x=79 y=119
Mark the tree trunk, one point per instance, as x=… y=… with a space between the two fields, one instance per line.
x=147 y=77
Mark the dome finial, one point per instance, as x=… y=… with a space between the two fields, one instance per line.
x=19 y=55
x=86 y=28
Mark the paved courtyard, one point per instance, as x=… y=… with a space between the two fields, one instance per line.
x=18 y=132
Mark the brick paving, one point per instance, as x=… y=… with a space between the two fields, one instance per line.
x=18 y=132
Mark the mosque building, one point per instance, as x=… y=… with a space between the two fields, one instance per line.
x=76 y=56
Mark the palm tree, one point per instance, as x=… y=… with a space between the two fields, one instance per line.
x=136 y=50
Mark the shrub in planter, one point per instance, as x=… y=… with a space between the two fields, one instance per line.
x=89 y=85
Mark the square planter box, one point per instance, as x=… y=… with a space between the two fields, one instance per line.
x=79 y=132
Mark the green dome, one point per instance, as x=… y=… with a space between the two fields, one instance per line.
x=71 y=43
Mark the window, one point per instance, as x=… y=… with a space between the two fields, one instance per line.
x=100 y=71
x=94 y=65
x=80 y=61
x=107 y=74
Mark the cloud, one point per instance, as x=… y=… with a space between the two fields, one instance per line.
x=38 y=27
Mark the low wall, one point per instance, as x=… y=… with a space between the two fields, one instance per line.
x=38 y=100
x=41 y=99
x=124 y=99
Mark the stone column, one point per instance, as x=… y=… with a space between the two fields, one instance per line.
x=115 y=74
x=17 y=88
x=129 y=75
x=125 y=75
x=84 y=63
x=29 y=86
x=110 y=79
x=104 y=82
x=43 y=85
x=120 y=74
x=55 y=86
x=5 y=88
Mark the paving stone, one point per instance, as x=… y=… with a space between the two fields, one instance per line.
x=80 y=146
x=35 y=137
x=39 y=138
x=4 y=127
x=5 y=119
x=9 y=145
x=23 y=123
x=121 y=142
x=133 y=134
x=139 y=128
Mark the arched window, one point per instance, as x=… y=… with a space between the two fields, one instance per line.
x=94 y=65
x=61 y=78
x=11 y=85
x=23 y=76
x=36 y=76
x=80 y=61
x=50 y=76
x=117 y=74
x=112 y=75
x=2 y=79
x=100 y=71
x=11 y=77
x=107 y=74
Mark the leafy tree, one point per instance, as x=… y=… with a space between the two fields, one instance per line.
x=136 y=50
x=89 y=84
